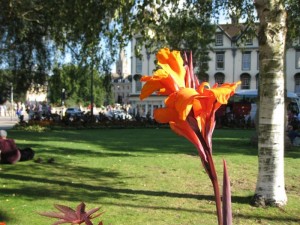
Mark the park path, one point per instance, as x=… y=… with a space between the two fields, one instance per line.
x=7 y=122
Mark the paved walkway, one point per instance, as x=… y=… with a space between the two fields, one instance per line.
x=8 y=122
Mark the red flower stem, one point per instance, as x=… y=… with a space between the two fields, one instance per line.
x=214 y=180
x=208 y=164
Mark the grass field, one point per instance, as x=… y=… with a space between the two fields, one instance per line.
x=138 y=177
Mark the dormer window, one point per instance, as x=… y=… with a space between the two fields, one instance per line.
x=219 y=39
x=249 y=41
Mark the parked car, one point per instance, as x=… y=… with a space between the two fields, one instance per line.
x=118 y=115
x=73 y=112
x=86 y=117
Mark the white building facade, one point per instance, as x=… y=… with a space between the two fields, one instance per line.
x=232 y=58
x=140 y=67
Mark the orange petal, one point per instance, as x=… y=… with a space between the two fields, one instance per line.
x=150 y=87
x=185 y=100
x=171 y=100
x=172 y=63
x=160 y=81
x=165 y=115
x=164 y=91
x=223 y=93
x=182 y=128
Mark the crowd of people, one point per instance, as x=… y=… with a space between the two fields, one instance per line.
x=19 y=109
x=38 y=111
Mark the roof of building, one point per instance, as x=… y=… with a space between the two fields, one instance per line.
x=234 y=31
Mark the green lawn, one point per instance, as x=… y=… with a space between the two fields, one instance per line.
x=138 y=177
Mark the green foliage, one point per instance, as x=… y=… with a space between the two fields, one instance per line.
x=77 y=84
x=24 y=48
x=31 y=128
x=187 y=30
x=8 y=79
x=293 y=9
x=34 y=33
x=5 y=85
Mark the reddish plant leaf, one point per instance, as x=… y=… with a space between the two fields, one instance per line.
x=68 y=215
x=227 y=212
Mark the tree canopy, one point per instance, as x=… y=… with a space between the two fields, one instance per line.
x=75 y=82
x=35 y=35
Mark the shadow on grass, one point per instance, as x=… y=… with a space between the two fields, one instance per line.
x=3 y=216
x=284 y=219
x=58 y=188
x=56 y=185
x=147 y=141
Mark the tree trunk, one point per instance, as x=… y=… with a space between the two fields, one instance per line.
x=270 y=188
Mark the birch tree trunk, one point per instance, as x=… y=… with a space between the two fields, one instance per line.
x=270 y=188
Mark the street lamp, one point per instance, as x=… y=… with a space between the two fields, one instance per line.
x=92 y=87
x=63 y=96
x=148 y=58
x=46 y=90
x=11 y=100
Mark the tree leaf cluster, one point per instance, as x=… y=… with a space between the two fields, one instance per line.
x=76 y=82
x=35 y=35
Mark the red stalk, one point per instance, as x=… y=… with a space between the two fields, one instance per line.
x=227 y=212
x=214 y=180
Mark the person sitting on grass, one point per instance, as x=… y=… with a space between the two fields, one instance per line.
x=10 y=153
x=293 y=135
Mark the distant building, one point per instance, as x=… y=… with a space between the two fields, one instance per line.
x=139 y=67
x=233 y=57
x=121 y=80
x=122 y=65
x=121 y=88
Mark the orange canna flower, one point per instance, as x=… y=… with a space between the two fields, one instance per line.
x=189 y=107
x=160 y=82
x=176 y=81
x=172 y=63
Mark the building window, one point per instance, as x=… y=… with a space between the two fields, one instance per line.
x=138 y=65
x=298 y=59
x=203 y=77
x=246 y=61
x=220 y=61
x=204 y=57
x=138 y=83
x=219 y=39
x=138 y=61
x=257 y=60
x=138 y=86
x=245 y=79
x=297 y=83
x=219 y=78
x=249 y=41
